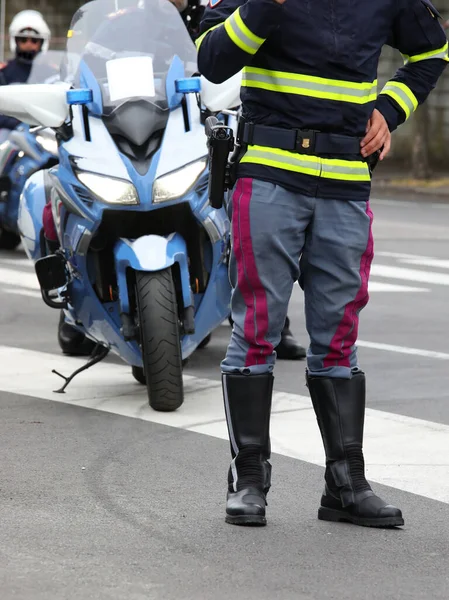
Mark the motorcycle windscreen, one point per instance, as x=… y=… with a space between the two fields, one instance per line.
x=46 y=67
x=129 y=47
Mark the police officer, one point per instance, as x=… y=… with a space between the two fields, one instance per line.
x=312 y=121
x=29 y=34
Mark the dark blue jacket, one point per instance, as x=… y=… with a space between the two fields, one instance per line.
x=312 y=64
x=16 y=71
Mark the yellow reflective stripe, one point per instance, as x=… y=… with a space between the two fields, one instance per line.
x=245 y=30
x=402 y=95
x=203 y=35
x=308 y=85
x=329 y=168
x=439 y=53
x=239 y=33
x=70 y=33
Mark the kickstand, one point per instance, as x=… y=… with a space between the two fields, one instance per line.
x=98 y=354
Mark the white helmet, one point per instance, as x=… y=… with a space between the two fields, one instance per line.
x=29 y=23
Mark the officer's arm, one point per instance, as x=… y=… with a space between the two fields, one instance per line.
x=418 y=35
x=232 y=33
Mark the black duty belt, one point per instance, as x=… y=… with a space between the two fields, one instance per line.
x=302 y=141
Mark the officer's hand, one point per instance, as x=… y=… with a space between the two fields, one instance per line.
x=280 y=1
x=377 y=136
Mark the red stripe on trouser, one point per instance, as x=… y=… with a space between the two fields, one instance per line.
x=249 y=284
x=347 y=331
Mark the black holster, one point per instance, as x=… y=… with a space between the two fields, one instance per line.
x=220 y=141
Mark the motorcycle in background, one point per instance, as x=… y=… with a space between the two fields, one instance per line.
x=142 y=268
x=26 y=151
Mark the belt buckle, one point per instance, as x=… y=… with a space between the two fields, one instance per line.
x=305 y=141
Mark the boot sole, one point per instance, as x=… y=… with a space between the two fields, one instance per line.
x=246 y=520
x=330 y=514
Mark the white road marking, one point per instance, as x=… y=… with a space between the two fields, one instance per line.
x=18 y=291
x=420 y=261
x=403 y=452
x=395 y=203
x=17 y=262
x=378 y=286
x=22 y=279
x=403 y=350
x=409 y=274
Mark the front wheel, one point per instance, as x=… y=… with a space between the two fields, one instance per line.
x=161 y=344
x=8 y=240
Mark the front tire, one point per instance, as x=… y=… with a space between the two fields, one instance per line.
x=161 y=344
x=8 y=240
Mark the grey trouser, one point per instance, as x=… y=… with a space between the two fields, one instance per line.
x=272 y=229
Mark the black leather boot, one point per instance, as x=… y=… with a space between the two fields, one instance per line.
x=288 y=348
x=72 y=341
x=247 y=400
x=340 y=410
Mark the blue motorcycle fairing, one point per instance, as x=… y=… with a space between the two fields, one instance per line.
x=151 y=253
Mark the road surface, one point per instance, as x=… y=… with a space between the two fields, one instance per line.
x=103 y=498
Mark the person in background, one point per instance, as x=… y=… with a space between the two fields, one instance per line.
x=29 y=34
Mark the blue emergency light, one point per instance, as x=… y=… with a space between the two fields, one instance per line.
x=188 y=85
x=83 y=96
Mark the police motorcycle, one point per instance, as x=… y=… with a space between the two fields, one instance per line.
x=142 y=267
x=26 y=151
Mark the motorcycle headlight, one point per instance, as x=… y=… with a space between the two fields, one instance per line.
x=109 y=189
x=178 y=183
x=48 y=142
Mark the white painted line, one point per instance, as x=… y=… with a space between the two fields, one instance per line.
x=20 y=278
x=20 y=292
x=17 y=262
x=409 y=274
x=406 y=453
x=403 y=255
x=377 y=286
x=403 y=350
x=434 y=263
x=421 y=261
x=395 y=203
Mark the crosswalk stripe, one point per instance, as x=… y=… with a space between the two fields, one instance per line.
x=403 y=350
x=407 y=453
x=409 y=274
x=378 y=286
x=17 y=262
x=18 y=291
x=22 y=279
x=419 y=261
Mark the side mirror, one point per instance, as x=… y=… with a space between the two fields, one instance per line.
x=221 y=96
x=36 y=104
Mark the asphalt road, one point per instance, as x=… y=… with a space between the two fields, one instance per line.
x=102 y=498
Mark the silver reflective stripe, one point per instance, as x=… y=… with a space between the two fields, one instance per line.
x=303 y=85
x=329 y=168
x=438 y=53
x=404 y=97
x=246 y=43
x=313 y=165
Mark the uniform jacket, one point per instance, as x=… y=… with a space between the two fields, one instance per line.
x=15 y=71
x=312 y=64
